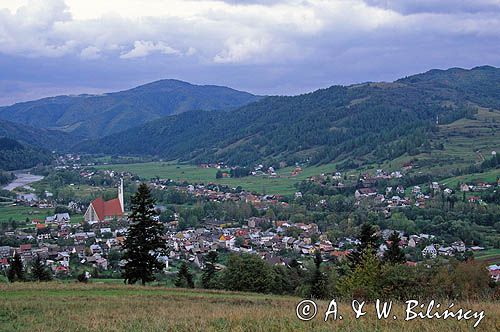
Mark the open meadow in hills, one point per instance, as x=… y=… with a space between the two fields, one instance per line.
x=282 y=184
x=53 y=306
x=465 y=142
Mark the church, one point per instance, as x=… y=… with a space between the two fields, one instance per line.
x=100 y=210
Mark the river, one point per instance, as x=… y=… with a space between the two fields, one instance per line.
x=23 y=179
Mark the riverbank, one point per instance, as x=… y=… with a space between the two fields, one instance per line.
x=23 y=179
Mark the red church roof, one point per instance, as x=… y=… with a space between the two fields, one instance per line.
x=111 y=208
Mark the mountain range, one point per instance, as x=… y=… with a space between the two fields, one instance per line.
x=96 y=116
x=372 y=121
x=355 y=124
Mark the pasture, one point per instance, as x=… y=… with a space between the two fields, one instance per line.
x=283 y=184
x=55 y=306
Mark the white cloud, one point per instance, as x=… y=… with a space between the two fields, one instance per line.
x=90 y=53
x=191 y=51
x=144 y=48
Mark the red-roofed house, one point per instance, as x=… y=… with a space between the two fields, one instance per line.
x=4 y=261
x=100 y=210
x=24 y=247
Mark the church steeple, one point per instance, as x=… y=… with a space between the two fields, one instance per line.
x=120 y=195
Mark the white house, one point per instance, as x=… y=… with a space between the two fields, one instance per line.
x=430 y=251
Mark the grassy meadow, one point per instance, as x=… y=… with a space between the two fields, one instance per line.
x=490 y=256
x=19 y=213
x=103 y=307
x=489 y=176
x=282 y=184
x=465 y=142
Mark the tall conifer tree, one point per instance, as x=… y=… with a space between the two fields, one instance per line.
x=184 y=277
x=144 y=242
x=209 y=270
x=38 y=270
x=394 y=254
x=16 y=270
x=368 y=242
x=319 y=282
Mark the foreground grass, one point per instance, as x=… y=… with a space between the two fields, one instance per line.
x=75 y=307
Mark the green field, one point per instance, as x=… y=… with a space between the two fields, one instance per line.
x=490 y=256
x=102 y=307
x=465 y=141
x=19 y=213
x=489 y=177
x=283 y=184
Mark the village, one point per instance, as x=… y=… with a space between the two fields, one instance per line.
x=94 y=245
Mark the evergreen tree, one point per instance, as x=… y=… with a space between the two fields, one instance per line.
x=368 y=242
x=295 y=275
x=39 y=271
x=184 y=277
x=319 y=281
x=16 y=270
x=394 y=254
x=207 y=278
x=143 y=243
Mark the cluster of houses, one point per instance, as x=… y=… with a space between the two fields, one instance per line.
x=88 y=249
x=257 y=170
x=395 y=196
x=214 y=193
x=274 y=241
x=399 y=197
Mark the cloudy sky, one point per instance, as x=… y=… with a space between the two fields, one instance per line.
x=52 y=47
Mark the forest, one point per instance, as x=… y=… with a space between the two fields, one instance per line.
x=371 y=121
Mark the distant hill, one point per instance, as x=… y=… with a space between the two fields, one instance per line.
x=360 y=123
x=99 y=115
x=14 y=155
x=37 y=137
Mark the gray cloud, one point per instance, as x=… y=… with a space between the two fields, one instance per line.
x=278 y=47
x=441 y=6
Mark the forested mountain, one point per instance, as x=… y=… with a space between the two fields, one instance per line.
x=14 y=155
x=100 y=115
x=44 y=138
x=374 y=121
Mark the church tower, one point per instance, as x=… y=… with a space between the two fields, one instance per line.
x=120 y=195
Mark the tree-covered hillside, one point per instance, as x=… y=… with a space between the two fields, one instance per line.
x=14 y=155
x=371 y=121
x=44 y=138
x=100 y=115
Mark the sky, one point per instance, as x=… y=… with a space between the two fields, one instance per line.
x=267 y=47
